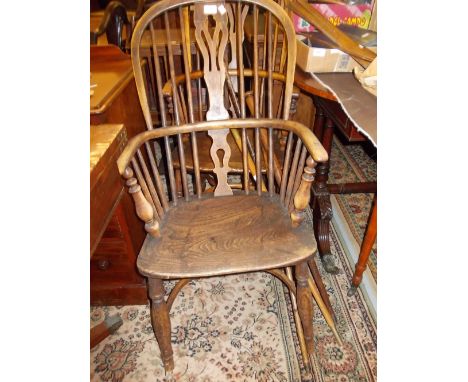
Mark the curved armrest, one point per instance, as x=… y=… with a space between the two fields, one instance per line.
x=315 y=148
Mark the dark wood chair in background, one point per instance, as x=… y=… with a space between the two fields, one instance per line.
x=257 y=227
x=116 y=25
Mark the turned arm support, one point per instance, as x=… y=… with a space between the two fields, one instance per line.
x=302 y=197
x=143 y=208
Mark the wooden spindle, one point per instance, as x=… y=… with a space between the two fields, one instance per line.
x=143 y=208
x=162 y=108
x=266 y=39
x=186 y=49
x=182 y=105
x=149 y=182
x=275 y=44
x=287 y=158
x=183 y=167
x=292 y=173
x=159 y=185
x=302 y=197
x=300 y=168
x=255 y=61
x=271 y=180
x=240 y=56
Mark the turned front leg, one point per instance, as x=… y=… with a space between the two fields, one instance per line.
x=304 y=305
x=161 y=322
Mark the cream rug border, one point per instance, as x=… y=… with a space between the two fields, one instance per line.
x=351 y=248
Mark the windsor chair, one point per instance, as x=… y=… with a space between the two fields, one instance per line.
x=260 y=225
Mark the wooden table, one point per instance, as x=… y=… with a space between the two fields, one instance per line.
x=329 y=116
x=115 y=98
x=114 y=277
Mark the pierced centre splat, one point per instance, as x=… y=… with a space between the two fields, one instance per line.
x=213 y=47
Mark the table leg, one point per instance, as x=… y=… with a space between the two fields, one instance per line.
x=322 y=209
x=105 y=329
x=366 y=248
x=318 y=122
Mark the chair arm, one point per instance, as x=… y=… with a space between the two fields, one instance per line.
x=311 y=142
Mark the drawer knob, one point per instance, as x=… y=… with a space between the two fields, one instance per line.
x=103 y=264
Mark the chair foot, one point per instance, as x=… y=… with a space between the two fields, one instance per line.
x=352 y=291
x=329 y=264
x=161 y=322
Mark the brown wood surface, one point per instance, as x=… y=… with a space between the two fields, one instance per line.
x=114 y=277
x=111 y=70
x=225 y=235
x=366 y=247
x=107 y=143
x=306 y=82
x=104 y=329
x=315 y=148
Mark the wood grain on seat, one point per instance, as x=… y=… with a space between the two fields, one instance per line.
x=225 y=235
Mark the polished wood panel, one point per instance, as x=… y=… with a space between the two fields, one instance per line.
x=115 y=98
x=107 y=143
x=114 y=277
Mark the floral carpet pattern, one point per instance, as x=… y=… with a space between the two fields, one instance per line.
x=241 y=327
x=350 y=163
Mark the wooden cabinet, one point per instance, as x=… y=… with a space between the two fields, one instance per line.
x=116 y=232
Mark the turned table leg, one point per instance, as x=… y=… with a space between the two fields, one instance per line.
x=318 y=123
x=322 y=209
x=105 y=329
x=366 y=248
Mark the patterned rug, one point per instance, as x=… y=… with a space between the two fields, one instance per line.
x=241 y=328
x=350 y=163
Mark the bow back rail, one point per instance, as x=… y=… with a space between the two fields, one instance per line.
x=191 y=65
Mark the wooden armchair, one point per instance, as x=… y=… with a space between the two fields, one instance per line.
x=256 y=227
x=227 y=232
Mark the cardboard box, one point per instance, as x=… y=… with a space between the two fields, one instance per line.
x=322 y=60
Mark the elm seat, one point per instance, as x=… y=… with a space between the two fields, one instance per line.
x=225 y=235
